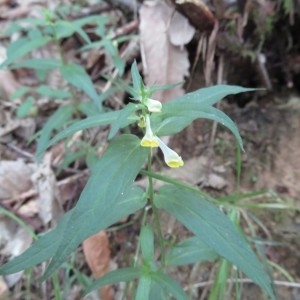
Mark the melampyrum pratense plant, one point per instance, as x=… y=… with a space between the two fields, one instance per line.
x=111 y=194
x=30 y=35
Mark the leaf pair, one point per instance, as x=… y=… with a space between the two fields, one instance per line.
x=181 y=112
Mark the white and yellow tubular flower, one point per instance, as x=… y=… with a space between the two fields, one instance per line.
x=149 y=140
x=172 y=159
x=153 y=105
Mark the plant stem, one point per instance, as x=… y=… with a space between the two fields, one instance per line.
x=65 y=62
x=155 y=212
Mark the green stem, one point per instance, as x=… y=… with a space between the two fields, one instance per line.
x=170 y=180
x=64 y=62
x=56 y=286
x=155 y=212
x=129 y=285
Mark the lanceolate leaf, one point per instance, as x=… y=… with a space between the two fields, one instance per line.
x=144 y=286
x=38 y=64
x=208 y=223
x=169 y=284
x=110 y=183
x=90 y=122
x=136 y=78
x=203 y=97
x=190 y=251
x=22 y=47
x=123 y=118
x=181 y=112
x=185 y=117
x=125 y=274
x=56 y=121
x=77 y=76
x=107 y=197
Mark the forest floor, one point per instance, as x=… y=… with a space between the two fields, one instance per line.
x=269 y=124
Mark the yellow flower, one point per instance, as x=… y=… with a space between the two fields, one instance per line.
x=172 y=159
x=153 y=105
x=149 y=140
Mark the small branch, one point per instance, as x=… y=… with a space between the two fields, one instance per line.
x=244 y=280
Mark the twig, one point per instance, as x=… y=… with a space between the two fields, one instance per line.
x=243 y=280
x=20 y=151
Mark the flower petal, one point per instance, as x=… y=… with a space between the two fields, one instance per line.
x=153 y=105
x=172 y=159
x=149 y=140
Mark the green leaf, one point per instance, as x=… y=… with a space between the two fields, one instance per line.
x=181 y=112
x=77 y=76
x=169 y=284
x=202 y=97
x=56 y=121
x=147 y=243
x=110 y=183
x=190 y=251
x=136 y=79
x=65 y=29
x=123 y=119
x=90 y=122
x=88 y=108
x=174 y=124
x=208 y=223
x=157 y=292
x=107 y=197
x=26 y=108
x=19 y=93
x=56 y=94
x=218 y=289
x=121 y=275
x=21 y=47
x=143 y=289
x=37 y=63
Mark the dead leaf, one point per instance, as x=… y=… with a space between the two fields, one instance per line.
x=26 y=129
x=14 y=240
x=44 y=181
x=97 y=254
x=3 y=290
x=163 y=62
x=8 y=83
x=181 y=31
x=29 y=209
x=14 y=178
x=197 y=12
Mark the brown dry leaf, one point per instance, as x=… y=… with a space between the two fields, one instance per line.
x=181 y=31
x=163 y=62
x=14 y=178
x=8 y=83
x=3 y=289
x=97 y=254
x=44 y=181
x=198 y=13
x=14 y=240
